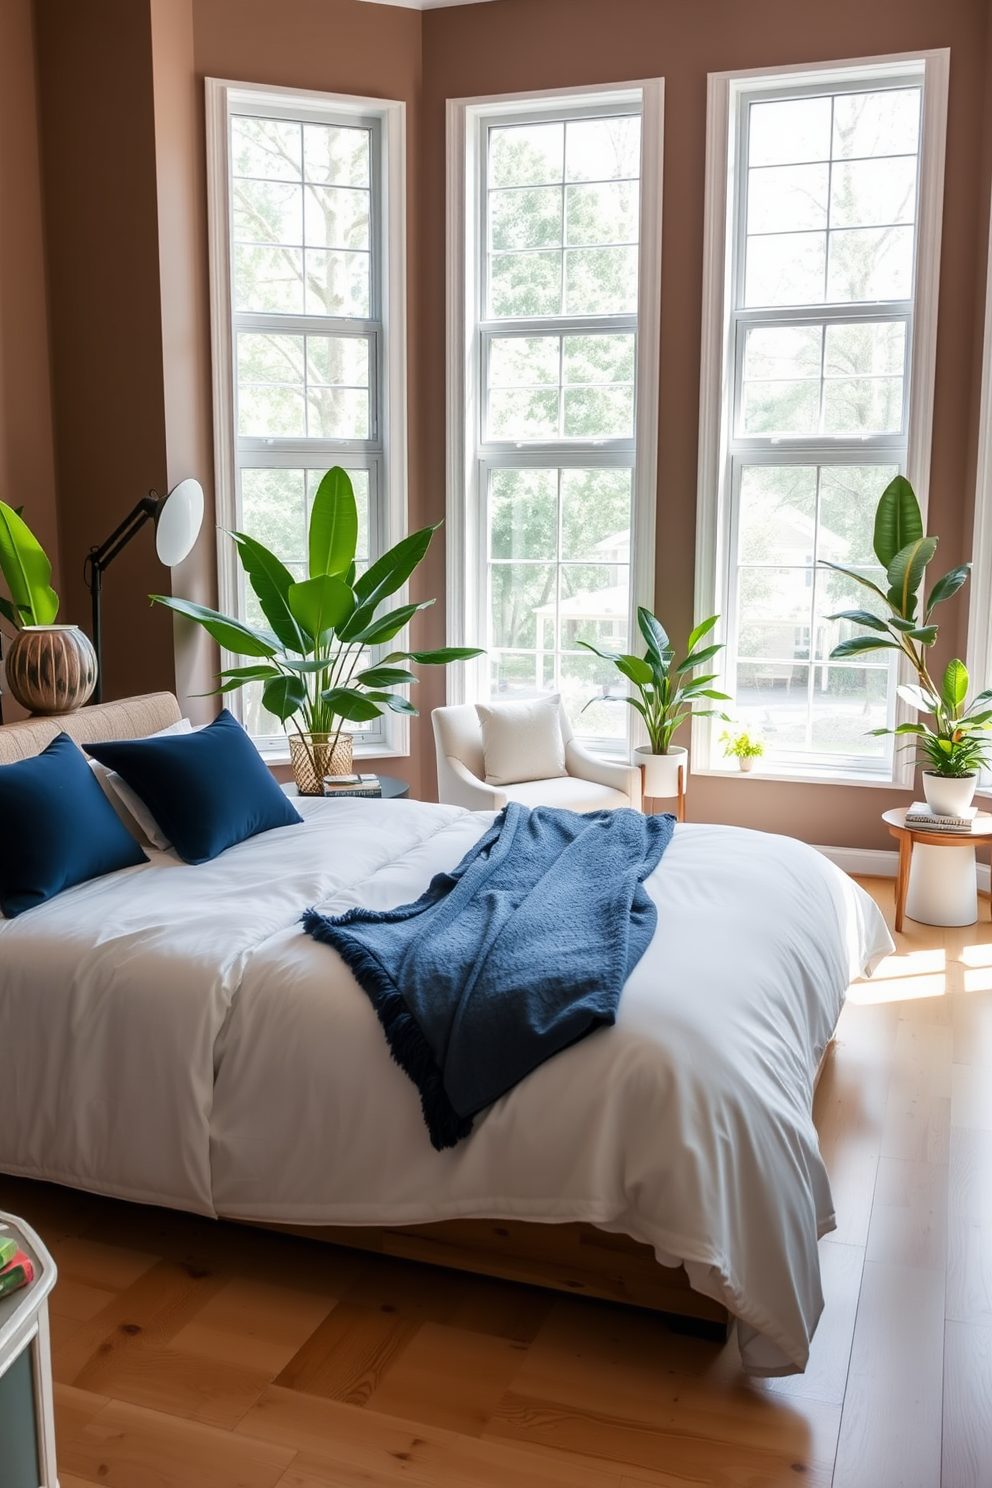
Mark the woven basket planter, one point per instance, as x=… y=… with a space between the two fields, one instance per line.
x=315 y=755
x=51 y=668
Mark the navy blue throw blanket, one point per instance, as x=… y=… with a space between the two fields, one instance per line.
x=520 y=951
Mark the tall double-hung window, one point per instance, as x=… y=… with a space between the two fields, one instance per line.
x=307 y=284
x=554 y=252
x=822 y=252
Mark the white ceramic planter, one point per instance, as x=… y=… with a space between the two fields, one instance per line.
x=949 y=795
x=746 y=763
x=661 y=771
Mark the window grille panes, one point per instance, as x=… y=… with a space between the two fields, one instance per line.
x=821 y=327
x=561 y=204
x=306 y=319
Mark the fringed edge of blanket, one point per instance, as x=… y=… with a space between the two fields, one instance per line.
x=407 y=1043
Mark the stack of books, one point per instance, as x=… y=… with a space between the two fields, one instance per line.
x=16 y=1269
x=352 y=785
x=920 y=815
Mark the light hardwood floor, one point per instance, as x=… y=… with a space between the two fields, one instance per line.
x=188 y=1353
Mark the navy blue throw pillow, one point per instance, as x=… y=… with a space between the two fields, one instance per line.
x=207 y=790
x=57 y=828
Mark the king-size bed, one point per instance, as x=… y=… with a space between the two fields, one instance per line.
x=170 y=1035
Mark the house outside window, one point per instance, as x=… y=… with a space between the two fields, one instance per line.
x=307 y=283
x=822 y=252
x=554 y=238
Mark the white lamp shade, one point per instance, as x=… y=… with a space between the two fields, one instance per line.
x=177 y=525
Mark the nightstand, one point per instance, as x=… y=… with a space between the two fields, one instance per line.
x=936 y=883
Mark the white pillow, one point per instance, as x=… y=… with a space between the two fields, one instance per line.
x=127 y=803
x=522 y=741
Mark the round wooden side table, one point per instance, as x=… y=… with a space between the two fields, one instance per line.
x=936 y=883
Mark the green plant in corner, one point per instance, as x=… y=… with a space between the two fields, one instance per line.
x=27 y=574
x=312 y=661
x=958 y=743
x=665 y=691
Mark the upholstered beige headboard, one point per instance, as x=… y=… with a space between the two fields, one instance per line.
x=130 y=718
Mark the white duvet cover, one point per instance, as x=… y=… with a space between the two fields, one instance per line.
x=168 y=1034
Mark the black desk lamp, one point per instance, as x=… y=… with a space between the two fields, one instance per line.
x=177 y=517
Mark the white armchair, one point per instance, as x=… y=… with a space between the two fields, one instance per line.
x=592 y=784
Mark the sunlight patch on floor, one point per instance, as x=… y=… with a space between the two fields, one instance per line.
x=902 y=978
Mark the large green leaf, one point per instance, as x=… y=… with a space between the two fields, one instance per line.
x=393 y=701
x=857 y=578
x=386 y=626
x=271 y=581
x=321 y=605
x=391 y=571
x=703 y=628
x=859 y=617
x=226 y=631
x=925 y=634
x=954 y=688
x=26 y=568
x=333 y=525
x=384 y=676
x=284 y=696
x=898 y=521
x=240 y=675
x=905 y=574
x=699 y=657
x=917 y=697
x=357 y=707
x=636 y=668
x=659 y=646
x=947 y=586
x=442 y=657
x=858 y=645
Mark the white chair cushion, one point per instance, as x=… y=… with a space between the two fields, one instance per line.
x=570 y=792
x=522 y=741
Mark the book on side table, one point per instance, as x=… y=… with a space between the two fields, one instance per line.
x=920 y=815
x=352 y=785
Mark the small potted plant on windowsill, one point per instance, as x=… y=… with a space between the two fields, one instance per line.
x=313 y=661
x=740 y=746
x=957 y=745
x=665 y=694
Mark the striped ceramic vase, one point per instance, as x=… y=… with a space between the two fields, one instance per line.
x=50 y=668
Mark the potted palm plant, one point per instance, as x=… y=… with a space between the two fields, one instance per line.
x=313 y=659
x=664 y=694
x=956 y=745
x=50 y=668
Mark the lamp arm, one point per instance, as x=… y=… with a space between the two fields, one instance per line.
x=98 y=559
x=102 y=557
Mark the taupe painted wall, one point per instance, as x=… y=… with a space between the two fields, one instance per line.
x=27 y=469
x=121 y=107
x=517 y=45
x=101 y=222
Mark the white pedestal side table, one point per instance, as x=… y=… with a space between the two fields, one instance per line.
x=936 y=883
x=27 y=1427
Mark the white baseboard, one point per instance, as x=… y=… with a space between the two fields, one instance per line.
x=875 y=863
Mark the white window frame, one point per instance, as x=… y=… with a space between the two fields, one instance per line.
x=714 y=544
x=466 y=537
x=979 y=654
x=388 y=514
